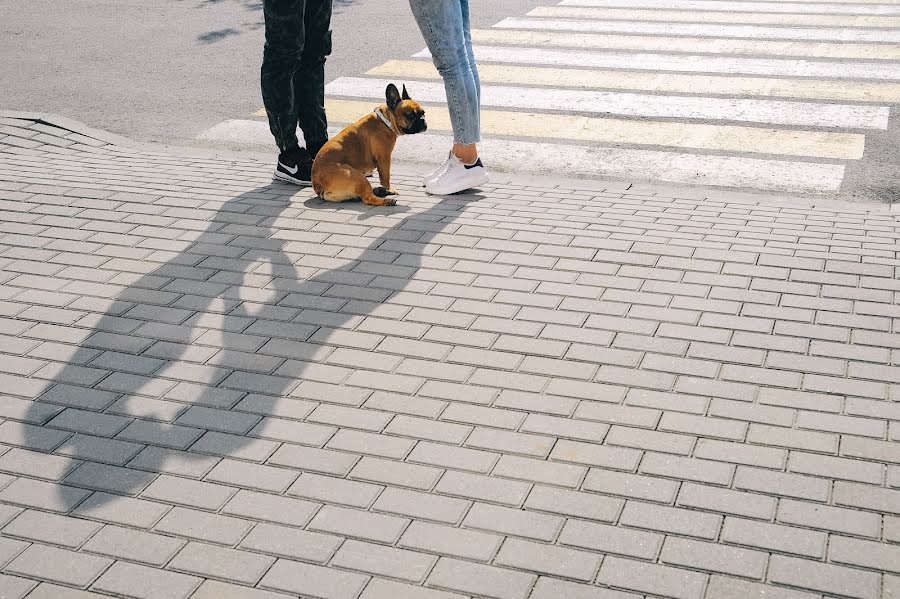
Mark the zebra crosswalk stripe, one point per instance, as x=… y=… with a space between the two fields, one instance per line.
x=643 y=105
x=683 y=16
x=693 y=45
x=678 y=83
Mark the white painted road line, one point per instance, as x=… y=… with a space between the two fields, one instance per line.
x=860 y=91
x=688 y=45
x=770 y=7
x=677 y=16
x=685 y=63
x=705 y=30
x=773 y=112
x=594 y=162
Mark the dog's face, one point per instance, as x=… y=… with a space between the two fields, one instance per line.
x=408 y=115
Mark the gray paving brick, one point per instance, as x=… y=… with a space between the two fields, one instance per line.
x=650 y=440
x=388 y=589
x=396 y=473
x=540 y=471
x=182 y=491
x=792 y=438
x=447 y=456
x=617 y=458
x=740 y=453
x=424 y=428
x=371 y=443
x=36 y=464
x=116 y=509
x=271 y=508
x=103 y=477
x=858 y=496
x=133 y=545
x=726 y=501
x=220 y=562
x=142 y=582
x=144 y=407
x=867 y=449
x=385 y=561
x=477 y=579
x=550 y=588
x=171 y=461
x=630 y=485
x=670 y=519
x=735 y=588
x=866 y=554
x=291 y=543
x=16 y=588
x=282 y=429
x=58 y=565
x=678 y=467
x=254 y=476
x=355 y=523
x=780 y=483
x=203 y=526
x=837 y=468
x=548 y=559
x=484 y=488
x=42 y=495
x=827 y=578
x=296 y=577
x=714 y=557
x=335 y=490
x=51 y=528
x=509 y=521
x=675 y=402
x=31 y=436
x=510 y=442
x=774 y=537
x=603 y=538
x=157 y=433
x=652 y=578
x=418 y=505
x=574 y=503
x=10 y=548
x=214 y=589
x=313 y=459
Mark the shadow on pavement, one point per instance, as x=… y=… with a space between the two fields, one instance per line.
x=219 y=260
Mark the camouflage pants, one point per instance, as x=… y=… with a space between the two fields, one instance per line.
x=298 y=38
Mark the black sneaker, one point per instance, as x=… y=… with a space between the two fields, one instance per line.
x=295 y=167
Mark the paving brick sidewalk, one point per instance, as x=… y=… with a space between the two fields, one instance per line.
x=214 y=386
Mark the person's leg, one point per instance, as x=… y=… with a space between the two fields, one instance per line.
x=309 y=79
x=281 y=56
x=469 y=153
x=441 y=23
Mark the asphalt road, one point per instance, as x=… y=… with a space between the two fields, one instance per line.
x=164 y=70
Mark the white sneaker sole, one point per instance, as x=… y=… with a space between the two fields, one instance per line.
x=461 y=186
x=288 y=179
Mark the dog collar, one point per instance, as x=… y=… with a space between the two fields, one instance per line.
x=385 y=120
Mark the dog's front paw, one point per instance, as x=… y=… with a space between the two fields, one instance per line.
x=383 y=192
x=390 y=202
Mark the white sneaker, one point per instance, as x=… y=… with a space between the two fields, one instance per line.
x=433 y=174
x=457 y=177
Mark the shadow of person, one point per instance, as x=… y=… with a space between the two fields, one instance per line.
x=198 y=350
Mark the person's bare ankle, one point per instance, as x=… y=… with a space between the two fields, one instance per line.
x=467 y=154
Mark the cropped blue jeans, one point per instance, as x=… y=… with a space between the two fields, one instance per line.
x=445 y=26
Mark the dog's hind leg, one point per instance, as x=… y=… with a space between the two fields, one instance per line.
x=367 y=194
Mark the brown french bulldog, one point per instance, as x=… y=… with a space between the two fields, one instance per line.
x=339 y=170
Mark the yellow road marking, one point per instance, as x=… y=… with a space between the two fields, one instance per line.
x=660 y=82
x=847 y=146
x=557 y=39
x=688 y=16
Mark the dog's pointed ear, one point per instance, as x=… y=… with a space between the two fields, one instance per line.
x=405 y=95
x=392 y=96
